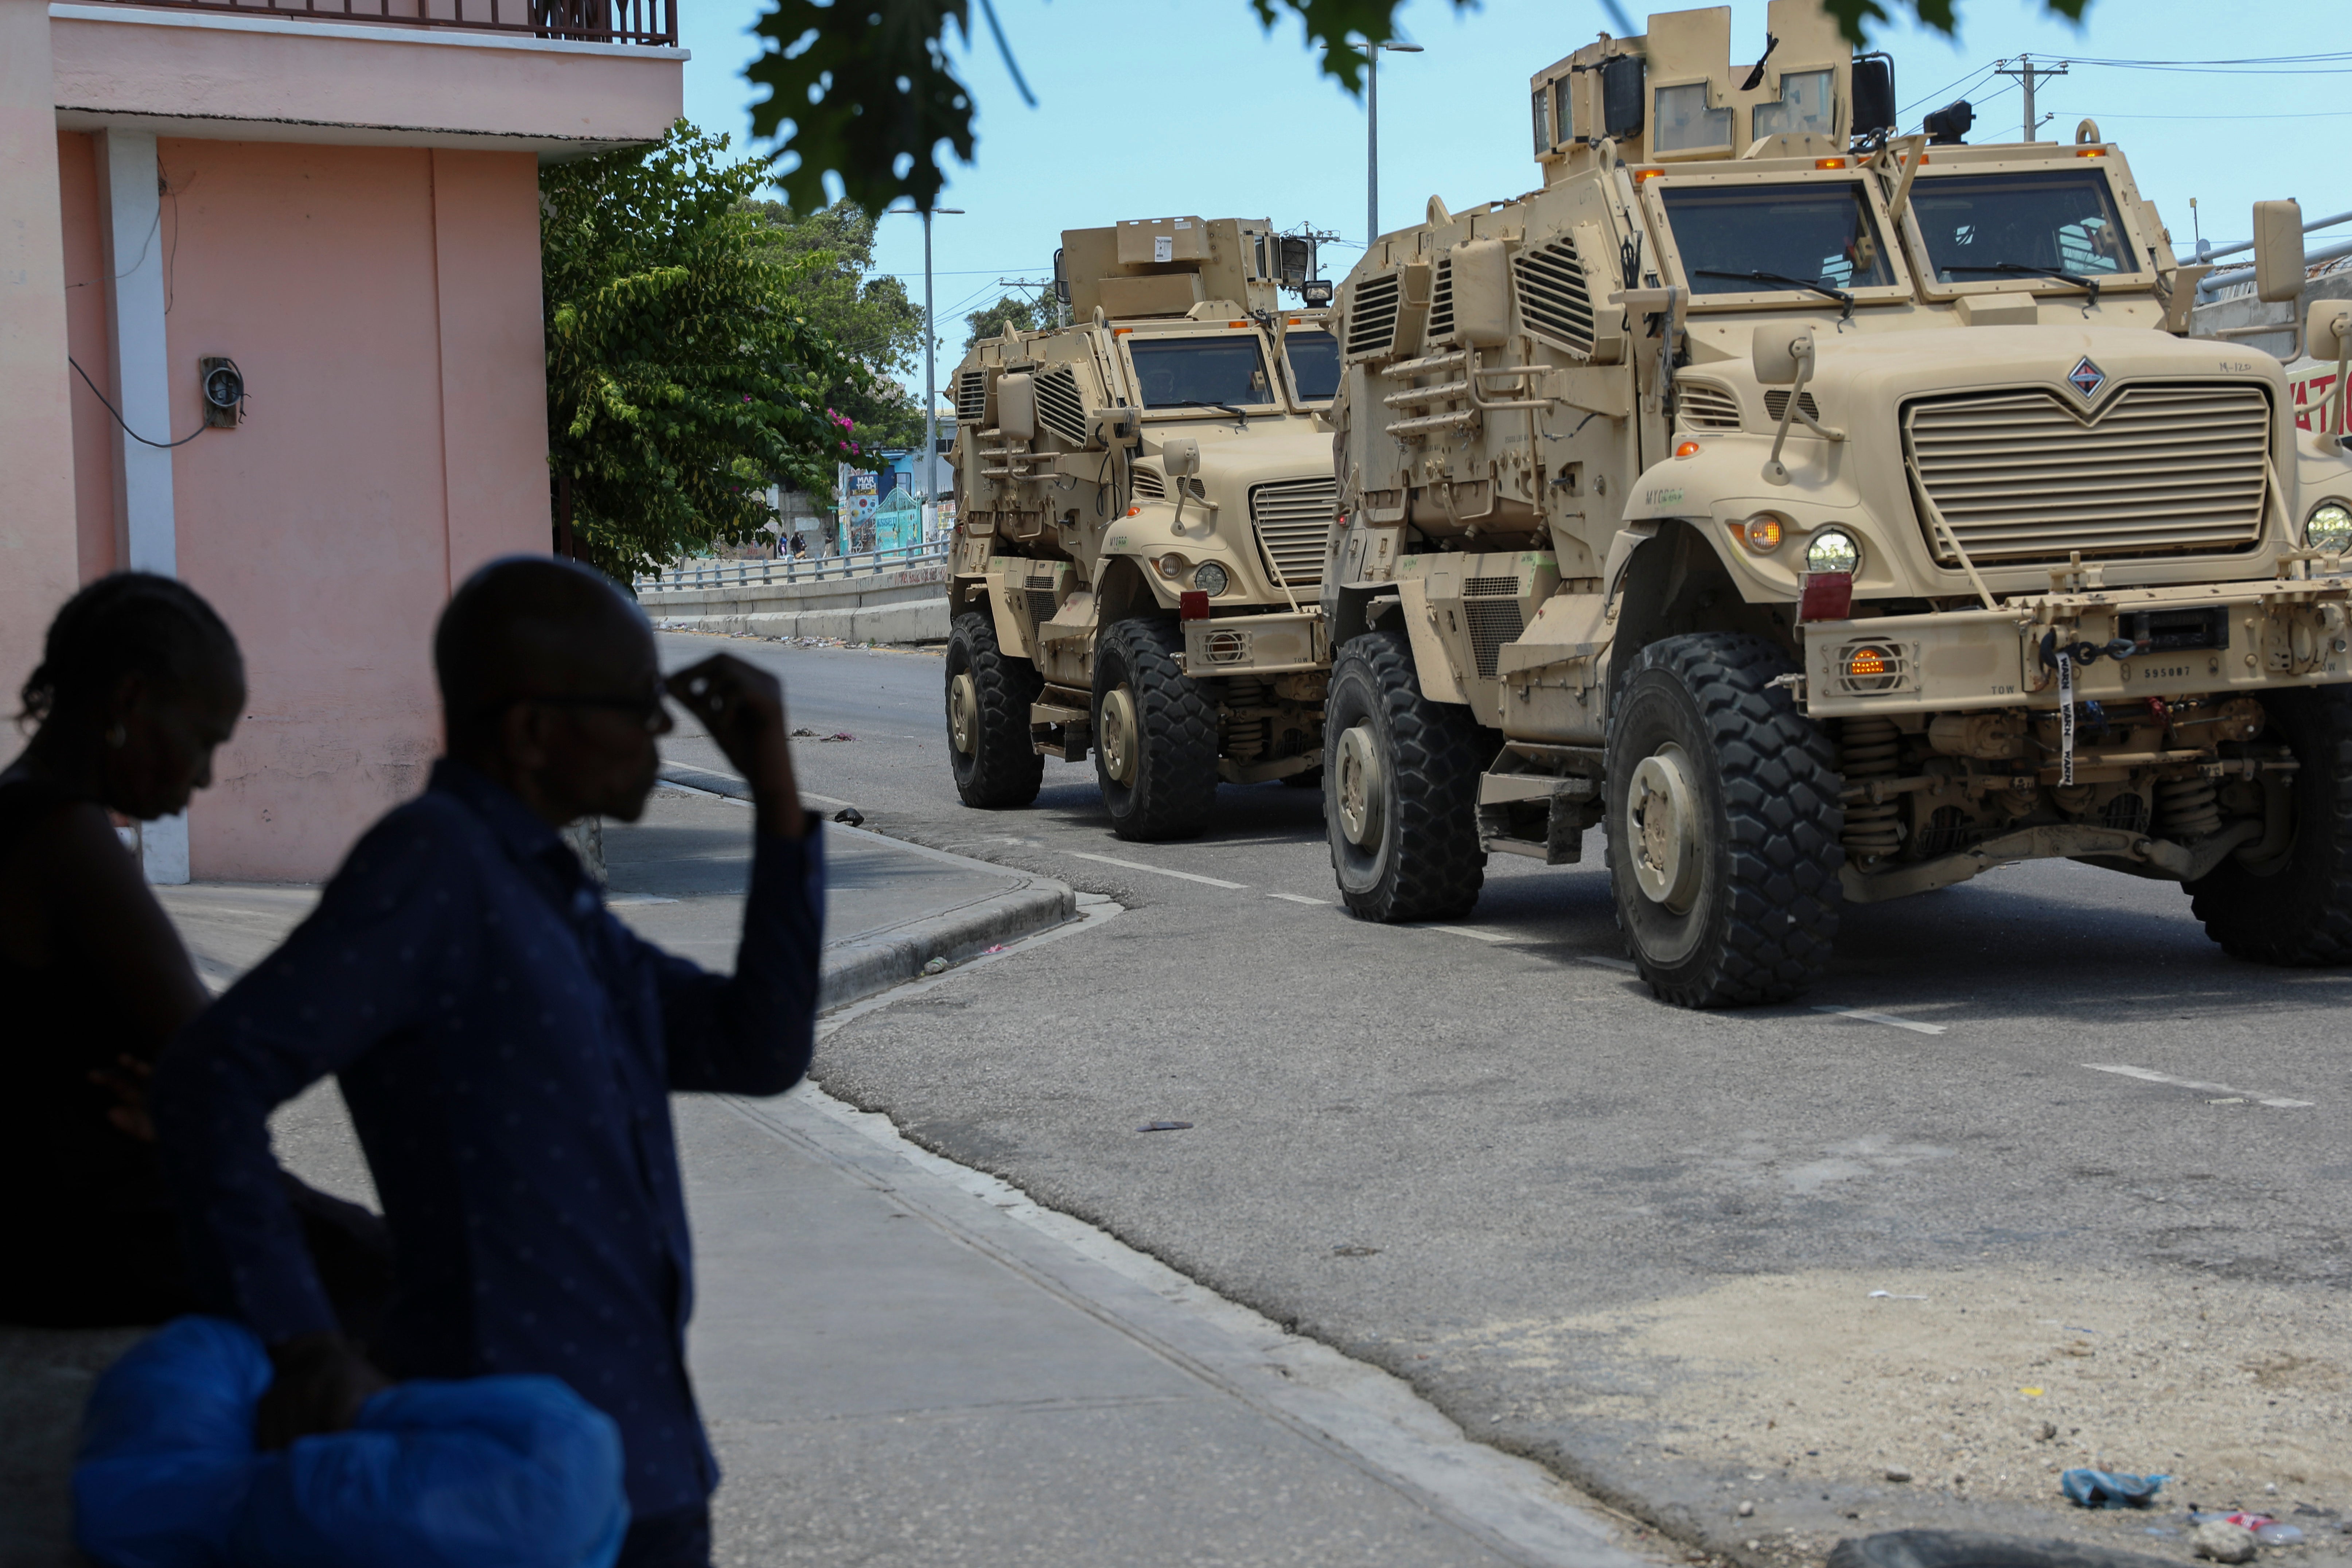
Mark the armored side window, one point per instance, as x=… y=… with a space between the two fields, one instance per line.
x=1683 y=124
x=1808 y=103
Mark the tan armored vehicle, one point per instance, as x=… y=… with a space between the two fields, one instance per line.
x=1833 y=516
x=1144 y=502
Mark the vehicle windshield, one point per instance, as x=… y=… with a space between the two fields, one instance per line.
x=1744 y=239
x=1314 y=363
x=1200 y=373
x=1980 y=227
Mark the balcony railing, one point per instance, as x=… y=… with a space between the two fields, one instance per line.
x=583 y=21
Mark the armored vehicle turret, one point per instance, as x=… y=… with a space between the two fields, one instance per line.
x=1144 y=502
x=1833 y=516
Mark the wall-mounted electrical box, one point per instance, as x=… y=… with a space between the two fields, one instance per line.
x=224 y=389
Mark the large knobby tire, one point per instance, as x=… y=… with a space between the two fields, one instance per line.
x=1155 y=733
x=989 y=697
x=1401 y=788
x=2296 y=909
x=1723 y=824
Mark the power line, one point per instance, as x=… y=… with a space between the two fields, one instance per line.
x=2314 y=114
x=1963 y=84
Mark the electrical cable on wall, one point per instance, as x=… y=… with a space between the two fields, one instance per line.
x=127 y=430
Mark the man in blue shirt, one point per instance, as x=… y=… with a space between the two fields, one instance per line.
x=508 y=1048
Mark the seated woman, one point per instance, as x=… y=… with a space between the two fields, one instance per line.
x=140 y=682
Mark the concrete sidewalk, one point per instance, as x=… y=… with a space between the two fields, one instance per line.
x=904 y=1361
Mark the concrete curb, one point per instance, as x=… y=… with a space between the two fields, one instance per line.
x=925 y=620
x=890 y=955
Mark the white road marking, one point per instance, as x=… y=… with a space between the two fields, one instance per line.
x=1158 y=870
x=1301 y=898
x=2277 y=1102
x=617 y=901
x=1889 y=1019
x=1472 y=933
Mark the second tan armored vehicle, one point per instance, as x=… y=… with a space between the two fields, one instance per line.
x=1143 y=505
x=1832 y=517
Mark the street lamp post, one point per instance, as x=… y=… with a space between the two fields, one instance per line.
x=1372 y=136
x=931 y=374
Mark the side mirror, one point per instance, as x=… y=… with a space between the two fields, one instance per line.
x=1873 y=95
x=1181 y=457
x=1016 y=406
x=1777 y=351
x=2328 y=331
x=1622 y=98
x=2278 y=251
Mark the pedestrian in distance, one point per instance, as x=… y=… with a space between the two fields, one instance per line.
x=139 y=683
x=508 y=1048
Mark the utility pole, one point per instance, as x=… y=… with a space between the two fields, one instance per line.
x=931 y=372
x=2027 y=75
x=1372 y=135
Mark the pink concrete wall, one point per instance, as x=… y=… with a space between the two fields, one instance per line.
x=38 y=558
x=384 y=305
x=82 y=215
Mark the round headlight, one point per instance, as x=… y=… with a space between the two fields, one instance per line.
x=2329 y=527
x=1209 y=578
x=1761 y=533
x=1833 y=550
x=1169 y=566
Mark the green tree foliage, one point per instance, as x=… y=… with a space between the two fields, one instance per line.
x=870 y=318
x=1019 y=311
x=868 y=94
x=682 y=377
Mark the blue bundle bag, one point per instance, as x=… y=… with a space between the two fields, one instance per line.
x=489 y=1472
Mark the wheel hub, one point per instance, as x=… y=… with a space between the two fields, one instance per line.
x=1663 y=804
x=1362 y=788
x=963 y=713
x=1118 y=742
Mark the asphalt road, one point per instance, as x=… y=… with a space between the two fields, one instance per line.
x=1642 y=1244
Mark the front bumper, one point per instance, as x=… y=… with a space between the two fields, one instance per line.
x=2209 y=637
x=1279 y=643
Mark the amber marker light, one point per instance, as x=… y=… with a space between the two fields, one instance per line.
x=1642 y=174
x=1865 y=664
x=2090 y=152
x=1685 y=448
x=1135 y=511
x=1761 y=533
x=1829 y=163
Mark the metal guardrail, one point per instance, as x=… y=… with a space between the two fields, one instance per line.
x=2229 y=284
x=690 y=576
x=581 y=21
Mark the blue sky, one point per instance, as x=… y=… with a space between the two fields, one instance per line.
x=1150 y=108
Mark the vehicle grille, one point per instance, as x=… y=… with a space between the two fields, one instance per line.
x=1060 y=408
x=1149 y=486
x=1371 y=315
x=971 y=396
x=1776 y=404
x=2162 y=468
x=1554 y=303
x=1293 y=520
x=1490 y=609
x=1703 y=406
